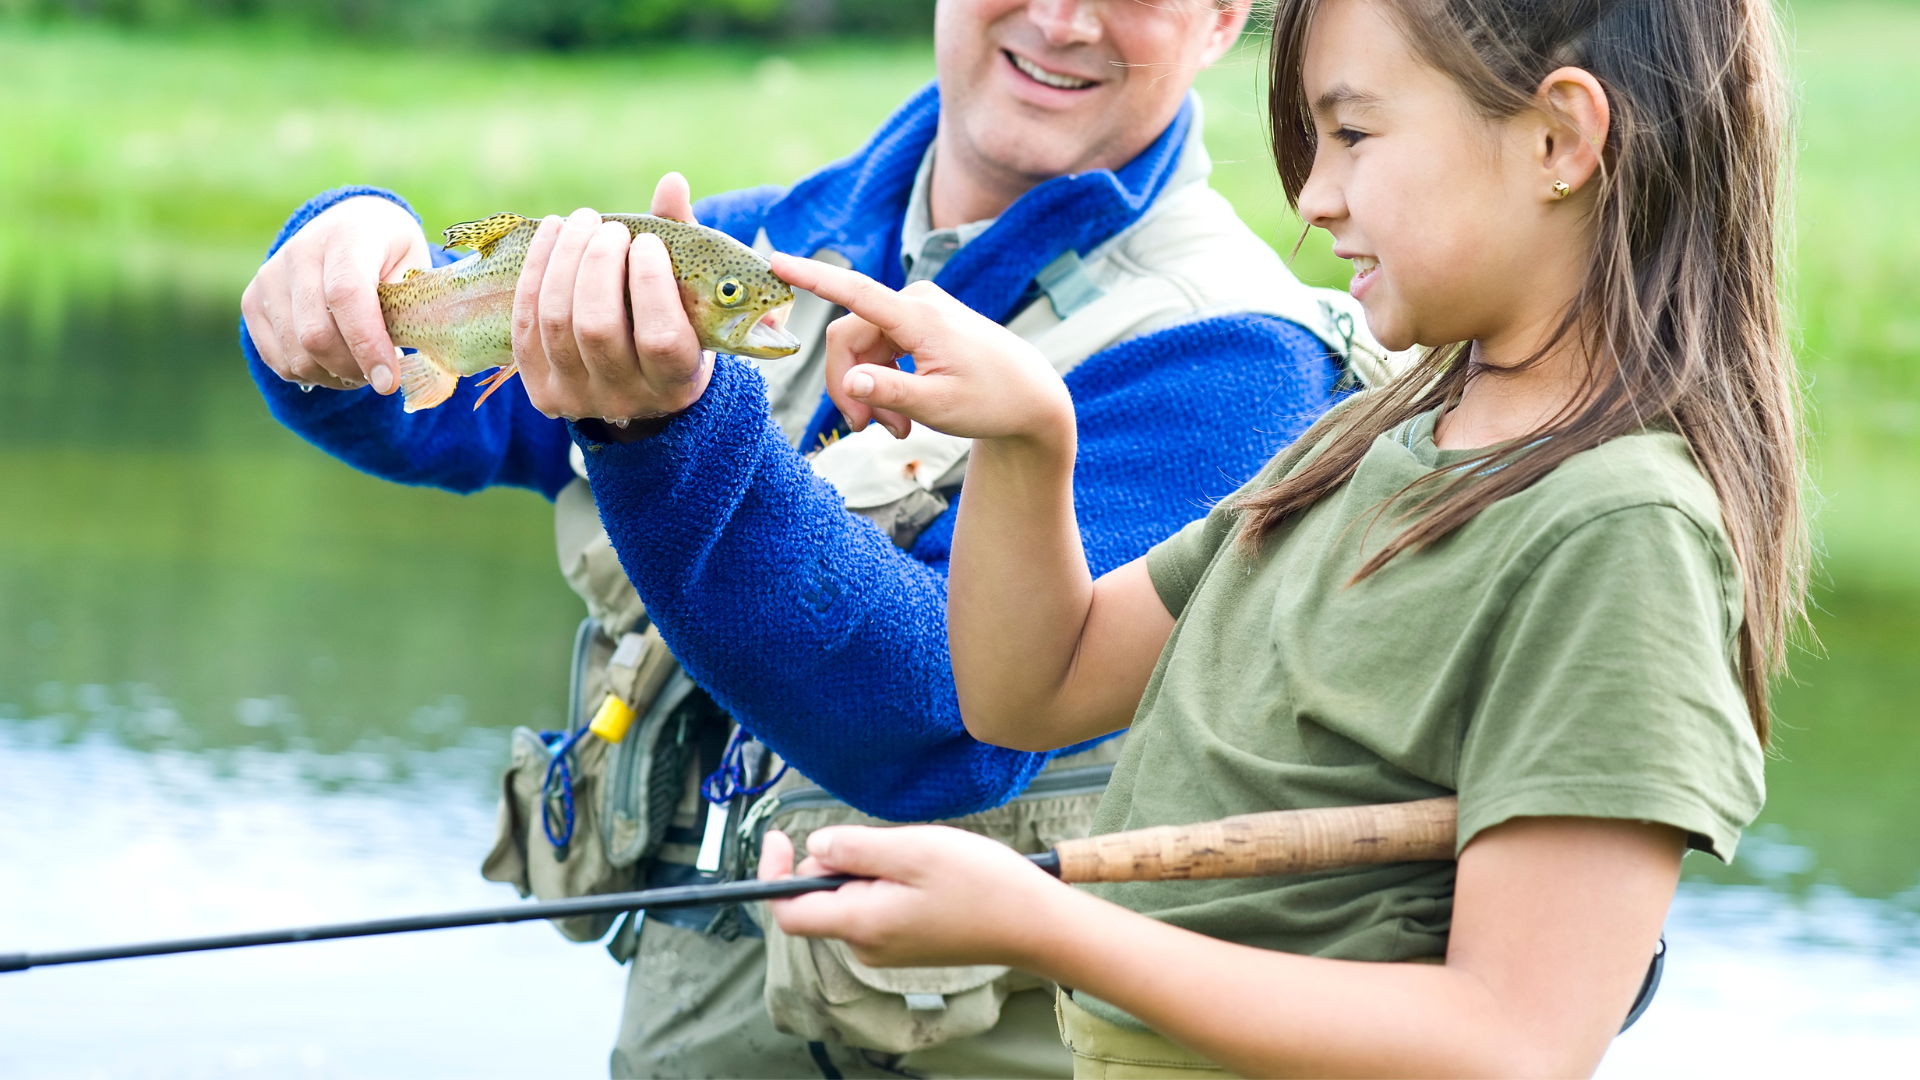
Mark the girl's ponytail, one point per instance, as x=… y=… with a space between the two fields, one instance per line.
x=1682 y=301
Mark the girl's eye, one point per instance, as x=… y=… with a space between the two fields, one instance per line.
x=1349 y=137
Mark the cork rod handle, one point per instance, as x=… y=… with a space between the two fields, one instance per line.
x=1258 y=845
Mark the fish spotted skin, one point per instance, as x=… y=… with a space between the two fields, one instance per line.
x=459 y=318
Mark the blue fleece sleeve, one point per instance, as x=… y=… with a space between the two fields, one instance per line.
x=453 y=446
x=739 y=214
x=830 y=643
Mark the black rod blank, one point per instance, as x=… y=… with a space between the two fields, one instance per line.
x=678 y=896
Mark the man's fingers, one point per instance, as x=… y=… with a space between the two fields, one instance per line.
x=600 y=305
x=668 y=347
x=349 y=283
x=253 y=308
x=307 y=327
x=673 y=198
x=269 y=343
x=556 y=290
x=527 y=350
x=295 y=364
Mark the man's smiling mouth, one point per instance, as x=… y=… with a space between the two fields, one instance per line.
x=1044 y=77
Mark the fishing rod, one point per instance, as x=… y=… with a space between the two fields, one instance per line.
x=1250 y=845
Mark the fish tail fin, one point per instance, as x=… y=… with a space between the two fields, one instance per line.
x=495 y=381
x=483 y=234
x=423 y=382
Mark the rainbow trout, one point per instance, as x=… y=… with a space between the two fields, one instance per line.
x=459 y=318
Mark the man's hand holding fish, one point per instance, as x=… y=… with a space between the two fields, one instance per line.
x=581 y=353
x=313 y=311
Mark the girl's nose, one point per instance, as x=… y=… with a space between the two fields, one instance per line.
x=1323 y=201
x=1066 y=22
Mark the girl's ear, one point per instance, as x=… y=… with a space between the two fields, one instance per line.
x=1573 y=138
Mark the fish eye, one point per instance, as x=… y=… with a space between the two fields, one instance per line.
x=729 y=292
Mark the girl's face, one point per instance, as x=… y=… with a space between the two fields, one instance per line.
x=1447 y=218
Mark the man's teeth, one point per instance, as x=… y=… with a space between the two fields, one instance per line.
x=1047 y=78
x=1365 y=264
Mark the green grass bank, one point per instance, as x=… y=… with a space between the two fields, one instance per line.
x=153 y=169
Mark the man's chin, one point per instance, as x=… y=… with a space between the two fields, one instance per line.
x=1015 y=140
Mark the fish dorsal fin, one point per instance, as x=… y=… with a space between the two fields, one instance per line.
x=483 y=234
x=412 y=272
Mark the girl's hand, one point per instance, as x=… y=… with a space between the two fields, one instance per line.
x=972 y=377
x=944 y=896
x=1042 y=658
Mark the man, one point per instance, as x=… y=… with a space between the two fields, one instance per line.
x=1054 y=181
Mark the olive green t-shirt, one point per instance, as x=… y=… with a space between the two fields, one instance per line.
x=1569 y=651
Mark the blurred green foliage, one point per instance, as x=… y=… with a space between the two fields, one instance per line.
x=550 y=23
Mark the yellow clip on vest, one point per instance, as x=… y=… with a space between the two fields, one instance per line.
x=613 y=719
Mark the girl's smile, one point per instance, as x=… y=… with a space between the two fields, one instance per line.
x=1365 y=269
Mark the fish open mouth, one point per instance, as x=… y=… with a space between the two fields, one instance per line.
x=770 y=333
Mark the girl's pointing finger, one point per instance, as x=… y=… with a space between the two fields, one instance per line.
x=850 y=289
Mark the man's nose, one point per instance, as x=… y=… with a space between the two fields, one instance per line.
x=1066 y=22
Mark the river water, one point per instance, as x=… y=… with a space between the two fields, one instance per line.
x=242 y=686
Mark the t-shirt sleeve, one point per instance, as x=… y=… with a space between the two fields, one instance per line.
x=1176 y=563
x=1613 y=690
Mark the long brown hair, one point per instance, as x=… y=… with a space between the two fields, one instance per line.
x=1680 y=310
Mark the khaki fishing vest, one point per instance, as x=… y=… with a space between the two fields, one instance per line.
x=1188 y=258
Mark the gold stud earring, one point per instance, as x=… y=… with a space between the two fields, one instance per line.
x=1561 y=190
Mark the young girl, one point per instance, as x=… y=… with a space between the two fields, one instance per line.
x=1549 y=569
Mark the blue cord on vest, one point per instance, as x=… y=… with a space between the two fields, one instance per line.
x=729 y=781
x=558 y=764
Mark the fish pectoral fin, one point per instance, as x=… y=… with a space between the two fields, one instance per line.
x=483 y=234
x=496 y=380
x=423 y=383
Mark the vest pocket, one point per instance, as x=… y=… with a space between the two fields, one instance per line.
x=581 y=815
x=817 y=989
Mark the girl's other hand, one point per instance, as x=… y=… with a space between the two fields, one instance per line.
x=943 y=896
x=972 y=377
